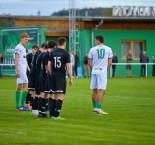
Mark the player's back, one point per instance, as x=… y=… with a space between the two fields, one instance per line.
x=44 y=61
x=100 y=55
x=38 y=62
x=33 y=64
x=59 y=58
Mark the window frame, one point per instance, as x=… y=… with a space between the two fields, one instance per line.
x=132 y=46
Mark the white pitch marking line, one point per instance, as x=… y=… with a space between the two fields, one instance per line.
x=9 y=131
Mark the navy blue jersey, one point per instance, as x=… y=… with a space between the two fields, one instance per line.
x=29 y=57
x=59 y=57
x=44 y=62
x=33 y=64
x=38 y=64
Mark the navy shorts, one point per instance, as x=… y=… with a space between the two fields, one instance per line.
x=58 y=83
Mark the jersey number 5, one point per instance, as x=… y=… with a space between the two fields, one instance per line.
x=100 y=53
x=57 y=62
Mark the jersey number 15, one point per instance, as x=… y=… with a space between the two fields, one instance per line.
x=57 y=62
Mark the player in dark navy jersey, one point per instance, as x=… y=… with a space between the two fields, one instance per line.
x=30 y=57
x=31 y=86
x=43 y=49
x=59 y=60
x=52 y=45
x=43 y=79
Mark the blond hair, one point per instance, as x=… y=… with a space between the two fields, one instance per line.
x=24 y=35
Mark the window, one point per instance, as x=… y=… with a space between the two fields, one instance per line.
x=136 y=46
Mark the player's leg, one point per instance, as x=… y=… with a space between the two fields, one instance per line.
x=38 y=99
x=114 y=70
x=100 y=96
x=144 y=70
x=60 y=89
x=52 y=96
x=141 y=71
x=153 y=71
x=101 y=87
x=130 y=71
x=18 y=96
x=28 y=97
x=31 y=99
x=43 y=96
x=28 y=100
x=47 y=89
x=127 y=71
x=52 y=105
x=31 y=88
x=24 y=94
x=59 y=102
x=93 y=86
x=94 y=99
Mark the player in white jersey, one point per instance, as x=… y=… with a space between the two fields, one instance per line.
x=100 y=60
x=21 y=69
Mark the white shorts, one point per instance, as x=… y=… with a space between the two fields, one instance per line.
x=22 y=79
x=98 y=81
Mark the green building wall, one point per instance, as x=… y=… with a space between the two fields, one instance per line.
x=113 y=38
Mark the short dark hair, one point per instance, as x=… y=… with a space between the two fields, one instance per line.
x=44 y=45
x=61 y=40
x=100 y=38
x=35 y=47
x=51 y=44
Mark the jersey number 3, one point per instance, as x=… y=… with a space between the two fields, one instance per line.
x=57 y=62
x=100 y=53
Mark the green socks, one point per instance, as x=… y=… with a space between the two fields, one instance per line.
x=99 y=106
x=17 y=99
x=94 y=104
x=24 y=94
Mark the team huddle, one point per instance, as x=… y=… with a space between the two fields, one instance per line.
x=43 y=76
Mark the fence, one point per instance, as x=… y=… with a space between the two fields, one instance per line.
x=9 y=69
x=136 y=69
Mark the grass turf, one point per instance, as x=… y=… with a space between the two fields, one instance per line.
x=130 y=103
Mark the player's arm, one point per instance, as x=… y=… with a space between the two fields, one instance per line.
x=90 y=62
x=28 y=60
x=49 y=67
x=69 y=73
x=16 y=65
x=46 y=57
x=109 y=63
x=28 y=68
x=46 y=66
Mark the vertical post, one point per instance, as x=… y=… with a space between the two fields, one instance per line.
x=72 y=25
x=92 y=38
x=111 y=71
x=146 y=70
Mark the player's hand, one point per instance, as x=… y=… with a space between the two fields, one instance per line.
x=17 y=74
x=70 y=82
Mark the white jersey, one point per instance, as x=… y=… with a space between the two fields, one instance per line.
x=100 y=55
x=22 y=62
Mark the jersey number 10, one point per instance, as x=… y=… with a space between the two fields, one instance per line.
x=57 y=62
x=100 y=53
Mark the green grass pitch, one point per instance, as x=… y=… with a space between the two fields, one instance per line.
x=130 y=103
